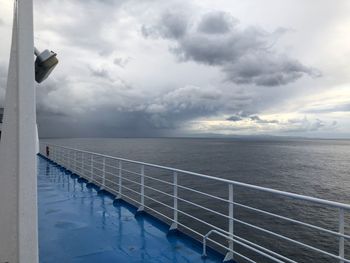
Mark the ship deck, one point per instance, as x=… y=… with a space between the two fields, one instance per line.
x=79 y=224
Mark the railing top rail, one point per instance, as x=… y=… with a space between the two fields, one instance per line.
x=254 y=187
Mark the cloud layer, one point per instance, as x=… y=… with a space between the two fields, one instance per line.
x=245 y=55
x=178 y=67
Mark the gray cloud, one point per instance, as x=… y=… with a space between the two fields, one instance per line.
x=234 y=118
x=345 y=107
x=173 y=26
x=121 y=62
x=98 y=90
x=83 y=22
x=257 y=119
x=216 y=23
x=306 y=125
x=100 y=73
x=246 y=56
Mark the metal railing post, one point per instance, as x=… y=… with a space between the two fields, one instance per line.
x=119 y=196
x=82 y=164
x=229 y=254
x=75 y=162
x=175 y=212
x=91 y=168
x=142 y=194
x=69 y=160
x=65 y=158
x=59 y=157
x=103 y=173
x=53 y=154
x=341 y=231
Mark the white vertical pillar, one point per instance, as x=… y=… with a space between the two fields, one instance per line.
x=18 y=187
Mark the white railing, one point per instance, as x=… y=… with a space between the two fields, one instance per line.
x=111 y=174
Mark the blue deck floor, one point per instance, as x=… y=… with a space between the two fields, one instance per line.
x=76 y=224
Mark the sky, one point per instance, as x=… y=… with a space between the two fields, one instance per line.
x=131 y=68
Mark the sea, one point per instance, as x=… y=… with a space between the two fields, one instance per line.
x=312 y=167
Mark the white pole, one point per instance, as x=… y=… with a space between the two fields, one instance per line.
x=18 y=185
x=341 y=231
x=229 y=254
x=175 y=212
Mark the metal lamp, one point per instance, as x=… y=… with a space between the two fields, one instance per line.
x=45 y=62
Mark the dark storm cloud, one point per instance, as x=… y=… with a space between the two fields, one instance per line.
x=191 y=102
x=246 y=56
x=119 y=106
x=103 y=122
x=266 y=69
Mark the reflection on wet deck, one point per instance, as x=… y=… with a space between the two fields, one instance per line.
x=78 y=224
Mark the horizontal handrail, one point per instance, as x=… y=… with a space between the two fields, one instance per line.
x=255 y=187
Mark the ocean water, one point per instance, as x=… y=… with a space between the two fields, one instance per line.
x=318 y=168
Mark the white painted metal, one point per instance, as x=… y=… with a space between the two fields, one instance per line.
x=120 y=174
x=37 y=150
x=18 y=187
x=142 y=189
x=250 y=245
x=75 y=161
x=103 y=173
x=227 y=234
x=82 y=163
x=175 y=216
x=229 y=254
x=341 y=230
x=91 y=168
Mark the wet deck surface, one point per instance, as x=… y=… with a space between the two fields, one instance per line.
x=76 y=224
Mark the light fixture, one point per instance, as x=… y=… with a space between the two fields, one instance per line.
x=45 y=62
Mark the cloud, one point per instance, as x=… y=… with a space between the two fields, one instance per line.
x=117 y=74
x=234 y=118
x=216 y=23
x=191 y=102
x=257 y=119
x=246 y=56
x=306 y=125
x=82 y=23
x=341 y=107
x=173 y=26
x=242 y=116
x=121 y=62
